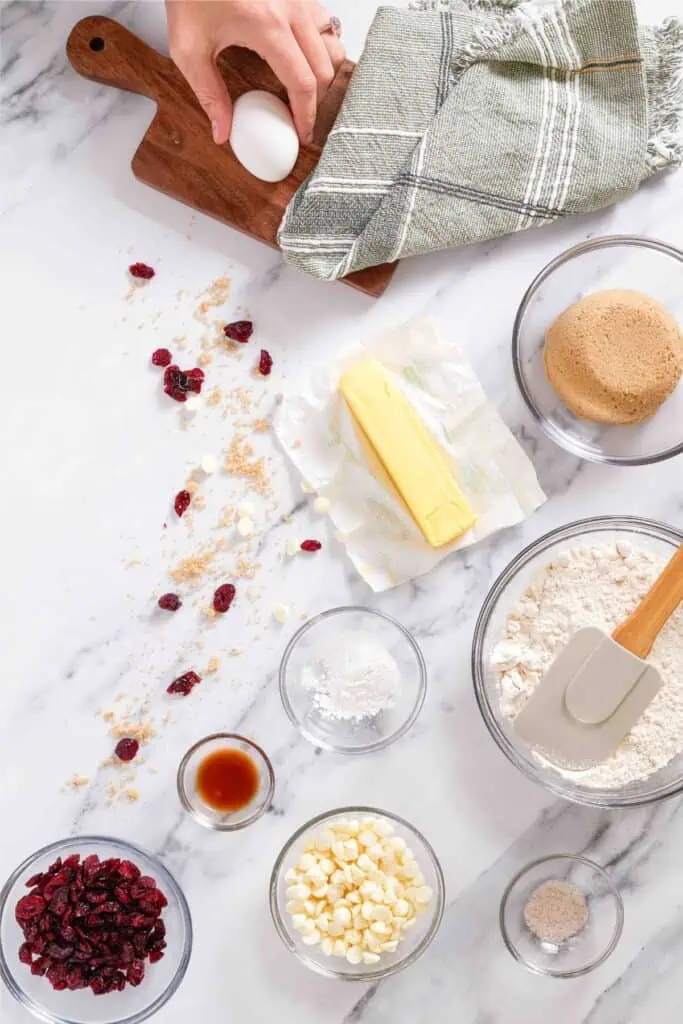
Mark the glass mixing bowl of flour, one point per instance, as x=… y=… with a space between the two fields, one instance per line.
x=615 y=261
x=547 y=605
x=352 y=680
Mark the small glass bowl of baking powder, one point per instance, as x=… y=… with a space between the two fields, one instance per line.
x=352 y=680
x=561 y=916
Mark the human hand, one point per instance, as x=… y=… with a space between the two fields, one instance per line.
x=295 y=37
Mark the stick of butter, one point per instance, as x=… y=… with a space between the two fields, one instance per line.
x=412 y=457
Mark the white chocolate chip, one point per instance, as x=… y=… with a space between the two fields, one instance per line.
x=192 y=404
x=327 y=946
x=371 y=958
x=306 y=487
x=354 y=954
x=280 y=611
x=321 y=506
x=245 y=526
x=209 y=464
x=245 y=510
x=292 y=546
x=312 y=939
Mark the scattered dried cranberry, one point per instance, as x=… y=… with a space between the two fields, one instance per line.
x=141 y=270
x=91 y=924
x=170 y=602
x=310 y=545
x=265 y=363
x=182 y=502
x=178 y=382
x=223 y=597
x=125 y=750
x=184 y=684
x=161 y=357
x=240 y=330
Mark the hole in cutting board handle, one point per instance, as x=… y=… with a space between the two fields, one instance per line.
x=97 y=44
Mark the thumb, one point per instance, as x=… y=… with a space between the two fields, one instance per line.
x=208 y=86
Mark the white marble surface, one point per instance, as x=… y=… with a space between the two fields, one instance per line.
x=92 y=455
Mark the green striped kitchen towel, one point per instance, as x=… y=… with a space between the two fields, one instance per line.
x=467 y=119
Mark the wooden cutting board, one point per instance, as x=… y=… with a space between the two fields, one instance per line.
x=177 y=154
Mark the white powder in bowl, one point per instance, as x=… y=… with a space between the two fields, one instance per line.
x=595 y=586
x=351 y=677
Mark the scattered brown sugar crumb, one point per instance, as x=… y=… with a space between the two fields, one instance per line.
x=131 y=794
x=227 y=516
x=215 y=295
x=238 y=400
x=210 y=611
x=260 y=426
x=214 y=397
x=108 y=716
x=76 y=783
x=239 y=461
x=199 y=503
x=180 y=342
x=141 y=731
x=192 y=485
x=213 y=666
x=235 y=652
x=246 y=570
x=193 y=567
x=204 y=358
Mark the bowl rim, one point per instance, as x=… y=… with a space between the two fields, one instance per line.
x=593 y=796
x=224 y=826
x=41 y=1012
x=575 y=251
x=381 y=972
x=592 y=964
x=367 y=748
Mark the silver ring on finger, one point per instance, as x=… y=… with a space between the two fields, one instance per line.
x=333 y=27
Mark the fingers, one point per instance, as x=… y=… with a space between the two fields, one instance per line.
x=207 y=84
x=335 y=49
x=316 y=53
x=285 y=56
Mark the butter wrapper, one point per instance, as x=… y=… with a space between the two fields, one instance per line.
x=316 y=430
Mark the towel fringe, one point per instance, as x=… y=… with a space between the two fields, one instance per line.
x=665 y=88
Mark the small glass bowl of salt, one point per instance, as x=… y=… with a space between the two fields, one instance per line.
x=352 y=680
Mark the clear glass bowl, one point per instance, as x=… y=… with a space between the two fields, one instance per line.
x=224 y=821
x=586 y=950
x=654 y=536
x=417 y=939
x=616 y=261
x=133 y=1004
x=344 y=626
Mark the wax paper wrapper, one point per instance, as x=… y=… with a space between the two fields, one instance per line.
x=381 y=538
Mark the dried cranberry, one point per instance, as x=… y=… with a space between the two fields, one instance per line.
x=265 y=363
x=170 y=602
x=128 y=870
x=155 y=956
x=223 y=597
x=141 y=270
x=178 y=382
x=182 y=502
x=73 y=860
x=29 y=907
x=26 y=953
x=135 y=973
x=40 y=966
x=60 y=901
x=98 y=985
x=126 y=749
x=34 y=880
x=184 y=684
x=310 y=545
x=161 y=357
x=240 y=330
x=75 y=979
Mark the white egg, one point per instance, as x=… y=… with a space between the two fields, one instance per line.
x=263 y=136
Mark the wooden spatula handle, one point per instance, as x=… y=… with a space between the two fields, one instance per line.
x=640 y=630
x=103 y=50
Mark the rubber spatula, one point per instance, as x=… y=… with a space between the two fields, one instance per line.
x=598 y=686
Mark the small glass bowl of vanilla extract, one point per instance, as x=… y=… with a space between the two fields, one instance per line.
x=226 y=782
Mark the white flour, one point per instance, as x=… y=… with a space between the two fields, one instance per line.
x=595 y=586
x=352 y=678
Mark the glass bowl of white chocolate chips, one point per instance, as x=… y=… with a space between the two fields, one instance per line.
x=592 y=572
x=357 y=894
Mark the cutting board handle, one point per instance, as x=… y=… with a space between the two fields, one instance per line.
x=640 y=630
x=103 y=50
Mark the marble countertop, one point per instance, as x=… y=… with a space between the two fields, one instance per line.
x=93 y=455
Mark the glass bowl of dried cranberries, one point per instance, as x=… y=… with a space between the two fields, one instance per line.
x=93 y=930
